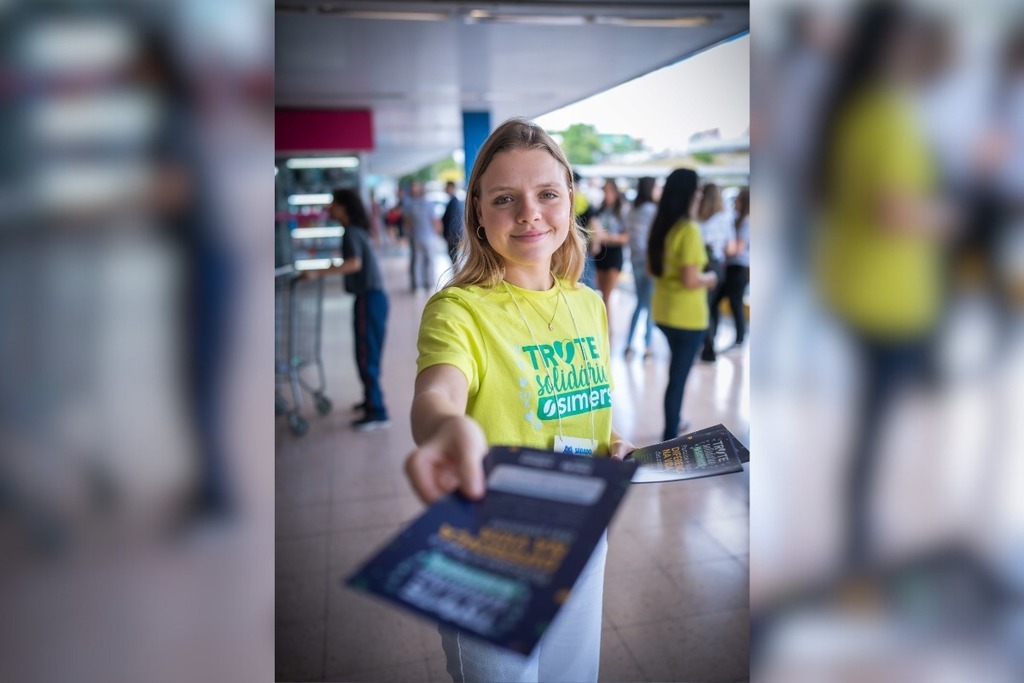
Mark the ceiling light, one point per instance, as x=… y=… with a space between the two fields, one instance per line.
x=317 y=263
x=385 y=15
x=653 y=22
x=316 y=233
x=310 y=199
x=323 y=162
x=484 y=17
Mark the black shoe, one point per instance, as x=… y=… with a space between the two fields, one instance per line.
x=357 y=407
x=369 y=424
x=707 y=356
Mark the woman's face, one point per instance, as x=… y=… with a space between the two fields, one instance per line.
x=525 y=206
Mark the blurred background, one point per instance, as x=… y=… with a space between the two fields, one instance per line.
x=136 y=444
x=136 y=471
x=887 y=531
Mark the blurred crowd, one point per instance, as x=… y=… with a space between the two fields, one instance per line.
x=135 y=135
x=886 y=530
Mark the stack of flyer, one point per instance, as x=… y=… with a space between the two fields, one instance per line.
x=703 y=453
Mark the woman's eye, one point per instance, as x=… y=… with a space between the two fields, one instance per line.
x=549 y=195
x=502 y=200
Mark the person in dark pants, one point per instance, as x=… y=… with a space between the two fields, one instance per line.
x=676 y=257
x=370 y=309
x=716 y=227
x=451 y=221
x=737 y=266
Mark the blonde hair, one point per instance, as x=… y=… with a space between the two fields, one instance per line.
x=710 y=202
x=477 y=263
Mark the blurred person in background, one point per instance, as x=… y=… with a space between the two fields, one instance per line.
x=1009 y=118
x=676 y=258
x=138 y=161
x=638 y=228
x=882 y=232
x=608 y=239
x=423 y=228
x=184 y=205
x=370 y=308
x=452 y=221
x=999 y=205
x=583 y=212
x=716 y=227
x=394 y=221
x=737 y=265
x=518 y=287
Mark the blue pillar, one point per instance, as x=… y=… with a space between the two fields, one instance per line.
x=476 y=126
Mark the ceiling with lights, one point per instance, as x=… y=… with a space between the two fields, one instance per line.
x=417 y=65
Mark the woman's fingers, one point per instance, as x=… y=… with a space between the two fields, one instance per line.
x=419 y=467
x=453 y=460
x=620 y=449
x=471 y=475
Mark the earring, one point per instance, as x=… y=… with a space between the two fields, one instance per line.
x=478 y=235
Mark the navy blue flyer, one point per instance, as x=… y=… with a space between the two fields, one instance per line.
x=703 y=453
x=501 y=567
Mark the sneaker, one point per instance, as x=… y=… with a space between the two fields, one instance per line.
x=368 y=423
x=707 y=356
x=359 y=407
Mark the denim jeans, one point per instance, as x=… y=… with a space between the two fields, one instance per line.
x=644 y=288
x=370 y=321
x=684 y=345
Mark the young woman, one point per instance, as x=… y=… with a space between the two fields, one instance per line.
x=369 y=310
x=638 y=227
x=608 y=240
x=676 y=257
x=488 y=343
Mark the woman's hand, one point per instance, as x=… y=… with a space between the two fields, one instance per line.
x=693 y=278
x=452 y=458
x=620 y=447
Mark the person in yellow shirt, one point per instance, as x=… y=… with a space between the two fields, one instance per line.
x=513 y=351
x=880 y=247
x=679 y=306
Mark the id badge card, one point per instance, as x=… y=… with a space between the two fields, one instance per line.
x=572 y=445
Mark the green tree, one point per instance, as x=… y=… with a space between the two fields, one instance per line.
x=581 y=143
x=430 y=172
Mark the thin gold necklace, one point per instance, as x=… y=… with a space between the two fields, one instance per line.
x=558 y=300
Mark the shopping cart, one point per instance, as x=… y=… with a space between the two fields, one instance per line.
x=298 y=320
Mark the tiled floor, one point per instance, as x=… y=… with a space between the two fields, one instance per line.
x=676 y=600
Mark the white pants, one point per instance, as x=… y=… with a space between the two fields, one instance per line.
x=569 y=651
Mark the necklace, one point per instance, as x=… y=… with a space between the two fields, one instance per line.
x=558 y=300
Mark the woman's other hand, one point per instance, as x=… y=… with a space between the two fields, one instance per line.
x=620 y=447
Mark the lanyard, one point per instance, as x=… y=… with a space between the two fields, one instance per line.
x=533 y=337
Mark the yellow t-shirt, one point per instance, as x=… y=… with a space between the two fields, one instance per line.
x=673 y=304
x=520 y=375
x=882 y=283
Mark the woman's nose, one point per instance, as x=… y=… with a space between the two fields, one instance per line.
x=529 y=210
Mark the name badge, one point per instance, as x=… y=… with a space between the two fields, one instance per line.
x=575 y=446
